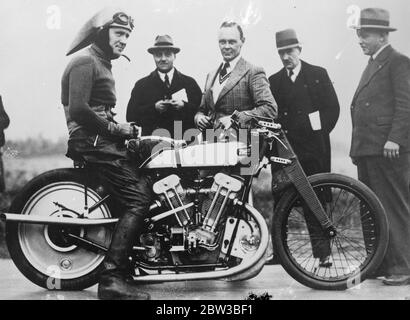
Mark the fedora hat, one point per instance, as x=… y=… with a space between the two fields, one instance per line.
x=374 y=18
x=287 y=39
x=163 y=42
x=108 y=17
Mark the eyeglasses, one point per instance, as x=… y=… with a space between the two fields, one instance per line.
x=123 y=19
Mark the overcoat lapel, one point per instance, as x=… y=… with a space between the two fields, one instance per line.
x=175 y=80
x=157 y=80
x=372 y=69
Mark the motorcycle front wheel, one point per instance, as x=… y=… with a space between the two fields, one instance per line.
x=313 y=258
x=41 y=252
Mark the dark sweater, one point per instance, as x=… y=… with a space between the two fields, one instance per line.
x=88 y=92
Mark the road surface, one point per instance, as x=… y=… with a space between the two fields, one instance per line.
x=273 y=280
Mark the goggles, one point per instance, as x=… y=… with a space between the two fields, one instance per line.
x=123 y=20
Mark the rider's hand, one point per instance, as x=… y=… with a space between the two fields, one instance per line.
x=203 y=122
x=162 y=106
x=177 y=104
x=391 y=150
x=125 y=130
x=224 y=123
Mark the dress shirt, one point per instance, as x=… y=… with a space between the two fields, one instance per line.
x=169 y=73
x=374 y=56
x=296 y=72
x=217 y=87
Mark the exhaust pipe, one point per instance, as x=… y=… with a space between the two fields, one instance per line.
x=10 y=217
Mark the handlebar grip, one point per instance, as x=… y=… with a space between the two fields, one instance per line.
x=270 y=125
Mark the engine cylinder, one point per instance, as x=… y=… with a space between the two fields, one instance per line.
x=225 y=189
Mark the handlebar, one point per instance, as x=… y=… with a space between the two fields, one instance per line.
x=257 y=122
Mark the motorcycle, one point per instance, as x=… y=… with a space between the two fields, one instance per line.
x=200 y=225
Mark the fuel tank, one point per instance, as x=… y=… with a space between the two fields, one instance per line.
x=219 y=154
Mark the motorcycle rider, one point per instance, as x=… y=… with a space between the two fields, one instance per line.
x=88 y=97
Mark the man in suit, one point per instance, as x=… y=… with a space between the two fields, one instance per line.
x=4 y=123
x=380 y=140
x=166 y=98
x=308 y=111
x=236 y=85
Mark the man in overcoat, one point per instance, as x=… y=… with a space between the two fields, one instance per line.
x=166 y=99
x=380 y=140
x=4 y=123
x=308 y=111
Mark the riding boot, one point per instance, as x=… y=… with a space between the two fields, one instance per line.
x=115 y=281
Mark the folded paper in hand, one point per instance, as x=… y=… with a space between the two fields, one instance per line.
x=315 y=121
x=180 y=95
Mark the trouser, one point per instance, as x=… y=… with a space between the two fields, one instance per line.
x=111 y=161
x=130 y=188
x=390 y=180
x=319 y=241
x=127 y=185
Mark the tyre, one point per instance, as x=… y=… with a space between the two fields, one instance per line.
x=41 y=252
x=313 y=258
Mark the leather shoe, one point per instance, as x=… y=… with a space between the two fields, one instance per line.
x=397 y=280
x=326 y=262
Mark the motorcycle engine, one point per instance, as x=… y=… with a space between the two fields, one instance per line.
x=198 y=233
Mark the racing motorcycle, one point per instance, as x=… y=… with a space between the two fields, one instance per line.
x=200 y=225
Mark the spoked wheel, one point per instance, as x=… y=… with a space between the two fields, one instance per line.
x=43 y=253
x=331 y=263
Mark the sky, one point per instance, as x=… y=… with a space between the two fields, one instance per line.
x=35 y=36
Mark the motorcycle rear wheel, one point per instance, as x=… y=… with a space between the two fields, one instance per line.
x=347 y=259
x=41 y=252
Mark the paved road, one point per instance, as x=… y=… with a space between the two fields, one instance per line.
x=272 y=279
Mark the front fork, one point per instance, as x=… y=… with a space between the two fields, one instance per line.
x=298 y=178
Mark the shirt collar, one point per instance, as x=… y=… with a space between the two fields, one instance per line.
x=169 y=73
x=232 y=64
x=296 y=70
x=374 y=56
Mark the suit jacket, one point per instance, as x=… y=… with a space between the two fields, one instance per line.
x=381 y=105
x=151 y=89
x=4 y=122
x=247 y=89
x=323 y=99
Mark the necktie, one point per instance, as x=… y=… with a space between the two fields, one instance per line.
x=167 y=84
x=223 y=75
x=291 y=75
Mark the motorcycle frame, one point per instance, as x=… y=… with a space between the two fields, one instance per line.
x=282 y=153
